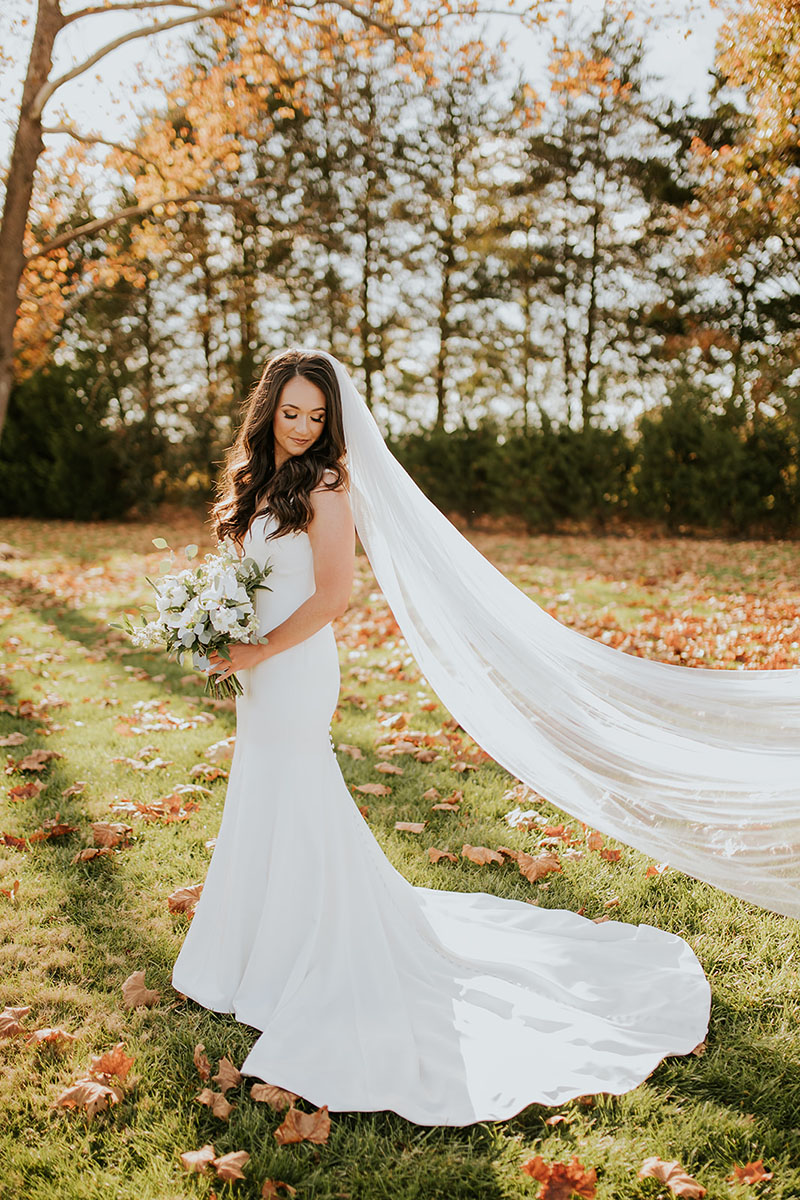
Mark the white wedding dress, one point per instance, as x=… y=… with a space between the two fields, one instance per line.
x=445 y=1007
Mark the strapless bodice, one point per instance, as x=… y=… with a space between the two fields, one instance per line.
x=291 y=579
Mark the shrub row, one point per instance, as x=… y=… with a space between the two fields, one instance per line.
x=686 y=466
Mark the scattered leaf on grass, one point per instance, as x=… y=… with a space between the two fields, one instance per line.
x=752 y=1172
x=216 y=1102
x=437 y=855
x=201 y=1061
x=227 y=1075
x=199 y=1160
x=135 y=993
x=229 y=1166
x=111 y=833
x=53 y=1036
x=10 y=1020
x=299 y=1126
x=561 y=1180
x=373 y=789
x=75 y=789
x=272 y=1187
x=26 y=791
x=37 y=760
x=275 y=1097
x=410 y=826
x=184 y=899
x=674 y=1176
x=481 y=854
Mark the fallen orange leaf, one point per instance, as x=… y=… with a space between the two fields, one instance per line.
x=437 y=855
x=561 y=1180
x=481 y=855
x=752 y=1172
x=298 y=1126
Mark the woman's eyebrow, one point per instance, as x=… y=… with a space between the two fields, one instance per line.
x=320 y=409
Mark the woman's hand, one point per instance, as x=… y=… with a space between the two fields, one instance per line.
x=243 y=656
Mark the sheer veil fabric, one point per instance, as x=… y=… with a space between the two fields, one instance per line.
x=695 y=766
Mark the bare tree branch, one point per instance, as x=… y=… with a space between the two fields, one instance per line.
x=134 y=210
x=146 y=31
x=135 y=4
x=366 y=16
x=91 y=139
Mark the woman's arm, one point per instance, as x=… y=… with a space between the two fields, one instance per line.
x=332 y=536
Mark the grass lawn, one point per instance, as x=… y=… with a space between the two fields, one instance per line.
x=74 y=931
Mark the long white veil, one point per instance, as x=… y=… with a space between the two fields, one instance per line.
x=697 y=767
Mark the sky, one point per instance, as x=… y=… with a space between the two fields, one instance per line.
x=101 y=101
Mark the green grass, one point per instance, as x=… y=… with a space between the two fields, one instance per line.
x=78 y=930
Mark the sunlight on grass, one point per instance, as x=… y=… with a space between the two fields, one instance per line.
x=76 y=931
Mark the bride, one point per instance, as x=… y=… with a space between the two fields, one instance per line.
x=369 y=993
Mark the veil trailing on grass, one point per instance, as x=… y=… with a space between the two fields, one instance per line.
x=697 y=767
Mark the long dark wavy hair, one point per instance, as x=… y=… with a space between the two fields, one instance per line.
x=249 y=482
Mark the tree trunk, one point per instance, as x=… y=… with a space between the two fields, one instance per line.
x=28 y=146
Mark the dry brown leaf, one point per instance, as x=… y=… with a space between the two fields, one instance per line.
x=298 y=1126
x=209 y=772
x=90 y=852
x=374 y=789
x=481 y=854
x=353 y=751
x=75 y=789
x=10 y=1020
x=276 y=1097
x=134 y=992
x=752 y=1172
x=199 y=1160
x=595 y=841
x=270 y=1187
x=201 y=1061
x=389 y=769
x=437 y=855
x=228 y=1075
x=535 y=868
x=610 y=855
x=112 y=1062
x=410 y=826
x=229 y=1166
x=559 y=1180
x=674 y=1176
x=184 y=899
x=54 y=1036
x=25 y=791
x=699 y=1049
x=89 y=1094
x=14 y=739
x=111 y=833
x=216 y=1102
x=37 y=760
x=12 y=891
x=445 y=807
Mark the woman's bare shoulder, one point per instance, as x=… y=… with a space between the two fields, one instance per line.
x=329 y=476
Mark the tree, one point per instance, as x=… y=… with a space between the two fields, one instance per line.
x=260 y=27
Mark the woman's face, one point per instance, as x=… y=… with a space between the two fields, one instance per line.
x=299 y=418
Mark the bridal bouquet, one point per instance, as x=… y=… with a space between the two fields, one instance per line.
x=202 y=609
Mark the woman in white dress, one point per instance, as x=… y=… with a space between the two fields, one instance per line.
x=370 y=993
